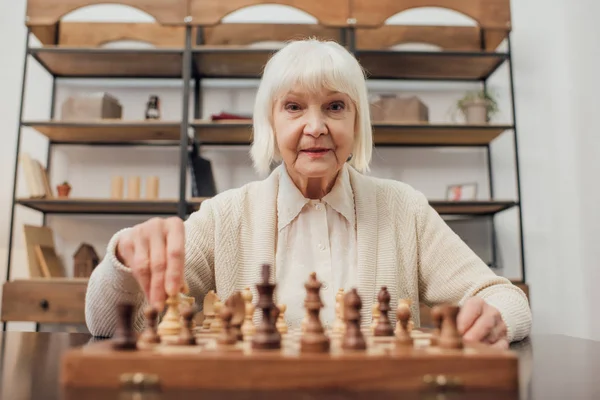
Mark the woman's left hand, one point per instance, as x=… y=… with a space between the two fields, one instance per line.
x=478 y=321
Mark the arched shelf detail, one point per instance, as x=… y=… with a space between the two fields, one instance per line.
x=331 y=13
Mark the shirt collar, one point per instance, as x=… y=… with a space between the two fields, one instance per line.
x=290 y=200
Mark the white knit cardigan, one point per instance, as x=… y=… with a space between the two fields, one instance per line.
x=402 y=244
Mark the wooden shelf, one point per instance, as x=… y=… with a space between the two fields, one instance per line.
x=107 y=131
x=390 y=133
x=152 y=207
x=77 y=62
x=384 y=134
x=244 y=62
x=443 y=65
x=480 y=207
x=105 y=206
x=230 y=61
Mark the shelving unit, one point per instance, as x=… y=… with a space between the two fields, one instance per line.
x=192 y=44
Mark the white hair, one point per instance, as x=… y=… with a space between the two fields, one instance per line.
x=314 y=65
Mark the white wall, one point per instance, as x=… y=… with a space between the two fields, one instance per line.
x=550 y=157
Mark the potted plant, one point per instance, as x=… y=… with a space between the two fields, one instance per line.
x=63 y=189
x=478 y=107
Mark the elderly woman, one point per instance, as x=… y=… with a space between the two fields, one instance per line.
x=315 y=211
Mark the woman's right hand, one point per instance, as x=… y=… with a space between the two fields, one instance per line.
x=155 y=252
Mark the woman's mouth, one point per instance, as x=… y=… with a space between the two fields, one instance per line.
x=315 y=151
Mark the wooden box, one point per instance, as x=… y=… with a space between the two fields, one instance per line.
x=91 y=107
x=392 y=108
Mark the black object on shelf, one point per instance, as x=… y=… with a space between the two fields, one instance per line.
x=203 y=182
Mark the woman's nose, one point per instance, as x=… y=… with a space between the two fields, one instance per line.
x=315 y=124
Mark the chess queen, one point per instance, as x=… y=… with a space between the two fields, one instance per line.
x=314 y=208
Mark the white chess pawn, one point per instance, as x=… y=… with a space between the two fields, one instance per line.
x=281 y=324
x=248 y=328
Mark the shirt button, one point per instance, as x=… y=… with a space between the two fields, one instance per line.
x=321 y=246
x=325 y=286
x=318 y=207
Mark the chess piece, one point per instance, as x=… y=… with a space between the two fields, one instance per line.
x=403 y=337
x=217 y=323
x=227 y=337
x=208 y=307
x=153 y=108
x=281 y=324
x=150 y=335
x=236 y=304
x=186 y=336
x=338 y=325
x=314 y=339
x=133 y=188
x=405 y=303
x=186 y=302
x=248 y=326
x=449 y=337
x=384 y=326
x=436 y=316
x=266 y=337
x=124 y=336
x=171 y=322
x=353 y=337
x=375 y=316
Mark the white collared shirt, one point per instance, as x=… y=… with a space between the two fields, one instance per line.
x=314 y=236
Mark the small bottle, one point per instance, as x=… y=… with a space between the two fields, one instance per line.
x=153 y=108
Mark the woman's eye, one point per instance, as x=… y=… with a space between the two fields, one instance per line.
x=292 y=107
x=337 y=106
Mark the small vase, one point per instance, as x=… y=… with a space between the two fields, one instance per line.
x=63 y=190
x=476 y=112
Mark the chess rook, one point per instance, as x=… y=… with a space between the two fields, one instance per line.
x=267 y=337
x=314 y=339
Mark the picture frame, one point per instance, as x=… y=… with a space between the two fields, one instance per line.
x=461 y=192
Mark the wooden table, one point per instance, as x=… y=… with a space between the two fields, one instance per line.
x=552 y=367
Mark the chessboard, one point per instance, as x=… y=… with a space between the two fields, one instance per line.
x=228 y=351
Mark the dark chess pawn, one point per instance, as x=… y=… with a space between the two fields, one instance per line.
x=124 y=336
x=436 y=316
x=403 y=337
x=186 y=336
x=227 y=337
x=150 y=334
x=449 y=337
x=313 y=339
x=384 y=326
x=353 y=337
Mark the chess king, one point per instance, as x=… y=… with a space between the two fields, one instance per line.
x=314 y=209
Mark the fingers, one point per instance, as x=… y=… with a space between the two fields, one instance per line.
x=175 y=249
x=469 y=313
x=489 y=327
x=158 y=263
x=140 y=262
x=501 y=344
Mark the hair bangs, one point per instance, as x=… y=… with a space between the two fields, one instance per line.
x=314 y=68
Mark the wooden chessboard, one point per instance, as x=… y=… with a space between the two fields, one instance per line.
x=384 y=365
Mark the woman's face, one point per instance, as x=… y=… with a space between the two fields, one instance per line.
x=314 y=132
